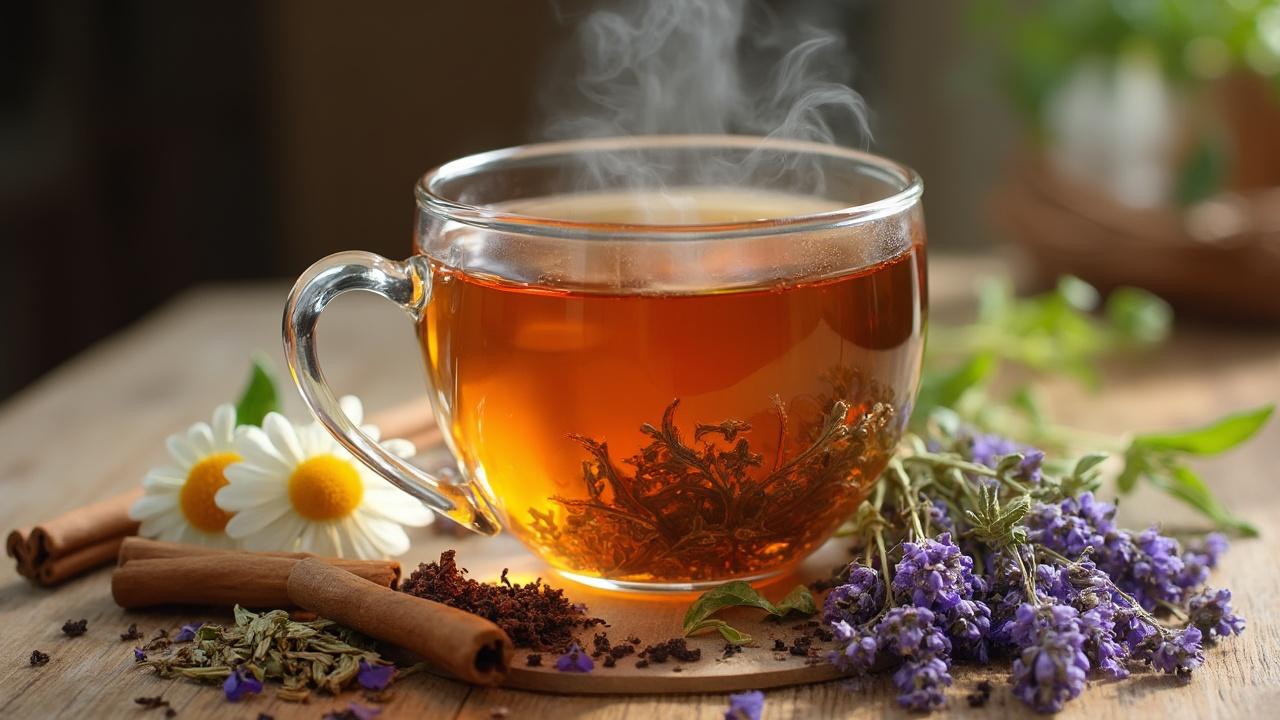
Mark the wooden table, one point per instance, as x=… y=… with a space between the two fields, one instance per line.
x=93 y=426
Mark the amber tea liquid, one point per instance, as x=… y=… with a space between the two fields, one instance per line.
x=672 y=435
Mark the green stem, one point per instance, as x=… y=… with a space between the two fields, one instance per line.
x=908 y=496
x=884 y=570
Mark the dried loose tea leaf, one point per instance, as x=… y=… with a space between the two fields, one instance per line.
x=39 y=659
x=75 y=628
x=132 y=633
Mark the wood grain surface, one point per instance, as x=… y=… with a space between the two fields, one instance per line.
x=93 y=427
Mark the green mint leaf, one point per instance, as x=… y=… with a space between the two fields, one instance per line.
x=259 y=397
x=944 y=388
x=1184 y=484
x=798 y=600
x=1221 y=434
x=731 y=635
x=1077 y=293
x=732 y=594
x=1135 y=464
x=1138 y=316
x=1087 y=463
x=740 y=594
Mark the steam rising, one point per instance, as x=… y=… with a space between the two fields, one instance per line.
x=708 y=66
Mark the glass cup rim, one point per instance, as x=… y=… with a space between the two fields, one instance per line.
x=430 y=198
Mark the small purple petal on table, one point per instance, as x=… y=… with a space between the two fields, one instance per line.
x=188 y=632
x=575 y=660
x=375 y=677
x=139 y=655
x=745 y=706
x=239 y=683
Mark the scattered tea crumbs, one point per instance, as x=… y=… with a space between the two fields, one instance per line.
x=534 y=660
x=38 y=658
x=675 y=648
x=155 y=703
x=132 y=633
x=978 y=698
x=534 y=615
x=264 y=716
x=610 y=661
x=642 y=663
x=779 y=645
x=730 y=650
x=823 y=634
x=800 y=646
x=600 y=644
x=75 y=628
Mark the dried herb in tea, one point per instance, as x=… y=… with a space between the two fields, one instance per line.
x=713 y=508
x=300 y=655
x=533 y=615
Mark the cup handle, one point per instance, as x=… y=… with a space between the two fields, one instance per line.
x=407 y=284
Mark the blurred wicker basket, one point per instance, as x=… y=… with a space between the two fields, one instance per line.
x=1220 y=258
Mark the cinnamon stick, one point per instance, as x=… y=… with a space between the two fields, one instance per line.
x=138 y=548
x=225 y=577
x=58 y=549
x=75 y=542
x=466 y=646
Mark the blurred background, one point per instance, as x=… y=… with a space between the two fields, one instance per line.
x=147 y=146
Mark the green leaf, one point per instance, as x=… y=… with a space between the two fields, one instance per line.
x=1088 y=462
x=259 y=397
x=1135 y=464
x=1183 y=483
x=1219 y=435
x=732 y=594
x=798 y=600
x=944 y=388
x=740 y=594
x=731 y=635
x=1138 y=316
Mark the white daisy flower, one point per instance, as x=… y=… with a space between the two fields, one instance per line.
x=297 y=489
x=177 y=504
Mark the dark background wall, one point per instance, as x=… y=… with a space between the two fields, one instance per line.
x=146 y=146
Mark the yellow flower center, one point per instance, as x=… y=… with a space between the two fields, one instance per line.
x=325 y=488
x=196 y=497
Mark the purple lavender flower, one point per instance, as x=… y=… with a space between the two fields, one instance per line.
x=920 y=683
x=1104 y=651
x=375 y=677
x=934 y=574
x=139 y=655
x=859 y=648
x=239 y=683
x=1029 y=469
x=910 y=633
x=1158 y=569
x=1051 y=670
x=187 y=632
x=575 y=660
x=1211 y=613
x=986 y=449
x=1178 y=652
x=967 y=624
x=940 y=517
x=745 y=706
x=856 y=601
x=1213 y=547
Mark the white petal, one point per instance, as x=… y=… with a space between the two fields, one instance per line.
x=255 y=448
x=224 y=426
x=321 y=539
x=361 y=544
x=352 y=408
x=151 y=505
x=242 y=473
x=176 y=533
x=161 y=482
x=182 y=451
x=283 y=437
x=208 y=539
x=201 y=438
x=238 y=495
x=158 y=525
x=280 y=536
x=251 y=520
x=398 y=507
x=401 y=447
x=315 y=440
x=389 y=537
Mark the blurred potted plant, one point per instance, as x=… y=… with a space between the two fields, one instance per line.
x=1154 y=144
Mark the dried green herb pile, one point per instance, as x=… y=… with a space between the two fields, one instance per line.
x=300 y=655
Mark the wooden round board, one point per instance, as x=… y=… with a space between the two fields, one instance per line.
x=654 y=619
